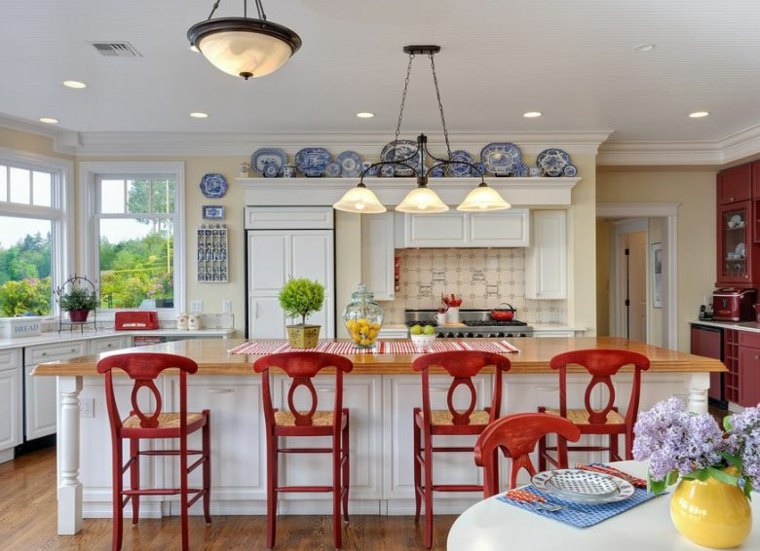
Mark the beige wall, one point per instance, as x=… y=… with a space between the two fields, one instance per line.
x=604 y=232
x=695 y=193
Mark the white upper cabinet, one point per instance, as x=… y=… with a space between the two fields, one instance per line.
x=546 y=258
x=507 y=228
x=378 y=254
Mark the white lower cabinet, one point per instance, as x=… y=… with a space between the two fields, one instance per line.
x=402 y=393
x=108 y=344
x=362 y=396
x=11 y=431
x=40 y=407
x=238 y=449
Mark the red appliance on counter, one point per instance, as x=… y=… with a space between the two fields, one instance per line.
x=731 y=304
x=141 y=319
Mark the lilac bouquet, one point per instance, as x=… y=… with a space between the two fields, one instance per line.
x=678 y=442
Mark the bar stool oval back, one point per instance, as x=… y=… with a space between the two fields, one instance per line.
x=601 y=364
x=144 y=368
x=517 y=435
x=301 y=367
x=462 y=366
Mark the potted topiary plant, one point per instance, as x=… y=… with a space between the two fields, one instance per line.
x=301 y=297
x=78 y=300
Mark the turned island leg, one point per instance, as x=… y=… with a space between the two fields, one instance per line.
x=699 y=384
x=69 y=486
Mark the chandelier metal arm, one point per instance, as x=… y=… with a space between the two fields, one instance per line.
x=383 y=163
x=213 y=9
x=259 y=9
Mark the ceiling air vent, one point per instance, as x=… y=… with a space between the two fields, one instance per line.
x=116 y=49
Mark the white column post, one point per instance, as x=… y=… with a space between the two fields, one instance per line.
x=69 y=486
x=698 y=384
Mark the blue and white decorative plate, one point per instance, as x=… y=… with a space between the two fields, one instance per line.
x=399 y=150
x=570 y=171
x=312 y=160
x=500 y=158
x=460 y=170
x=553 y=161
x=480 y=170
x=213 y=185
x=350 y=164
x=520 y=170
x=268 y=155
x=332 y=170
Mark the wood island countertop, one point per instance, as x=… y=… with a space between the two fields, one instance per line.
x=533 y=357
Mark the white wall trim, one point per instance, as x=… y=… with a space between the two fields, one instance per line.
x=88 y=171
x=636 y=210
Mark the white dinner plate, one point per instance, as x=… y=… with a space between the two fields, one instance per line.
x=583 y=486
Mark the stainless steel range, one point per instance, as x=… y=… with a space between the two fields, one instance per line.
x=477 y=324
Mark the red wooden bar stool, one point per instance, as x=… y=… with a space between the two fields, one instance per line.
x=602 y=364
x=462 y=366
x=144 y=368
x=302 y=367
x=517 y=435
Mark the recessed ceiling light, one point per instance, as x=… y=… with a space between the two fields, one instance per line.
x=532 y=114
x=699 y=114
x=199 y=115
x=48 y=120
x=365 y=115
x=74 y=84
x=643 y=48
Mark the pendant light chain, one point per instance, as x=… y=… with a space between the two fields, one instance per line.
x=440 y=106
x=403 y=96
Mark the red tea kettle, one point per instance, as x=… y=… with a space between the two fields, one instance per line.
x=503 y=314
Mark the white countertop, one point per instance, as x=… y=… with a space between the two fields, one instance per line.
x=53 y=336
x=751 y=326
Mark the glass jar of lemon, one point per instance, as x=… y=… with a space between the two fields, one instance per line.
x=363 y=317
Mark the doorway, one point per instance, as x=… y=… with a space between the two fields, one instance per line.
x=647 y=231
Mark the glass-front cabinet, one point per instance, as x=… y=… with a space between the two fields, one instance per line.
x=734 y=242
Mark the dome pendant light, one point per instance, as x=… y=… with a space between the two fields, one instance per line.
x=422 y=199
x=243 y=46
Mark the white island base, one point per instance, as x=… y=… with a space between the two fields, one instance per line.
x=381 y=441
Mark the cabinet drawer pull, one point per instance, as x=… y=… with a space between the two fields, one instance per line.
x=43 y=354
x=220 y=390
x=73 y=350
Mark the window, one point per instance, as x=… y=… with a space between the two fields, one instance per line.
x=34 y=251
x=133 y=218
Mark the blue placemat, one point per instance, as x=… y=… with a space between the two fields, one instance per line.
x=580 y=515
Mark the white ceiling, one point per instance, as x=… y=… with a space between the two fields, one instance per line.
x=573 y=61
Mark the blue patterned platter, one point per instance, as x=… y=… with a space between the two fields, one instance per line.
x=268 y=155
x=570 y=171
x=312 y=161
x=553 y=161
x=402 y=149
x=332 y=170
x=350 y=164
x=213 y=185
x=459 y=170
x=500 y=158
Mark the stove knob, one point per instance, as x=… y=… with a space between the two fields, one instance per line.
x=508 y=335
x=523 y=335
x=450 y=335
x=492 y=335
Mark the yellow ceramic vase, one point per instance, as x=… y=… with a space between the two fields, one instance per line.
x=711 y=513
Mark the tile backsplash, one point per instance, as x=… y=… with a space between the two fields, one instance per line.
x=483 y=278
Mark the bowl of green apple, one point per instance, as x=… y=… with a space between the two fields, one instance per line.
x=422 y=337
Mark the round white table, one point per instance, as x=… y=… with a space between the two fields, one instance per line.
x=492 y=525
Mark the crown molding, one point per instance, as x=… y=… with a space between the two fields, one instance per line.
x=369 y=144
x=64 y=141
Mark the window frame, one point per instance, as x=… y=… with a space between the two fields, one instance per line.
x=89 y=245
x=60 y=214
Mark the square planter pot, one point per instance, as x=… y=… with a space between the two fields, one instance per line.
x=303 y=336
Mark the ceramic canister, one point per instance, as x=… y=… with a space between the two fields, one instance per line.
x=182 y=321
x=194 y=322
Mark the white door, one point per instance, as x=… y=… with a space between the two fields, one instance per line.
x=631 y=289
x=268 y=271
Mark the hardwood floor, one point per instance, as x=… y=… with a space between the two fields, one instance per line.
x=28 y=522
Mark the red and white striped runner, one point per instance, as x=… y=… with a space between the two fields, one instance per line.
x=383 y=347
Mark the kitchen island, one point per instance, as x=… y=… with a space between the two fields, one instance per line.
x=381 y=392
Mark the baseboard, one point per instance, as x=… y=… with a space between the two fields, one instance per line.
x=7 y=455
x=30 y=446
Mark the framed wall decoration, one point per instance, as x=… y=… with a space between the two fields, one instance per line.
x=213 y=212
x=657 y=275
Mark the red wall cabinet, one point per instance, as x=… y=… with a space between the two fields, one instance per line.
x=735 y=184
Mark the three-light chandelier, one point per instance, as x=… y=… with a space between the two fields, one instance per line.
x=422 y=199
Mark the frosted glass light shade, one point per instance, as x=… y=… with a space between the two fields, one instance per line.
x=483 y=198
x=244 y=47
x=422 y=200
x=361 y=200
